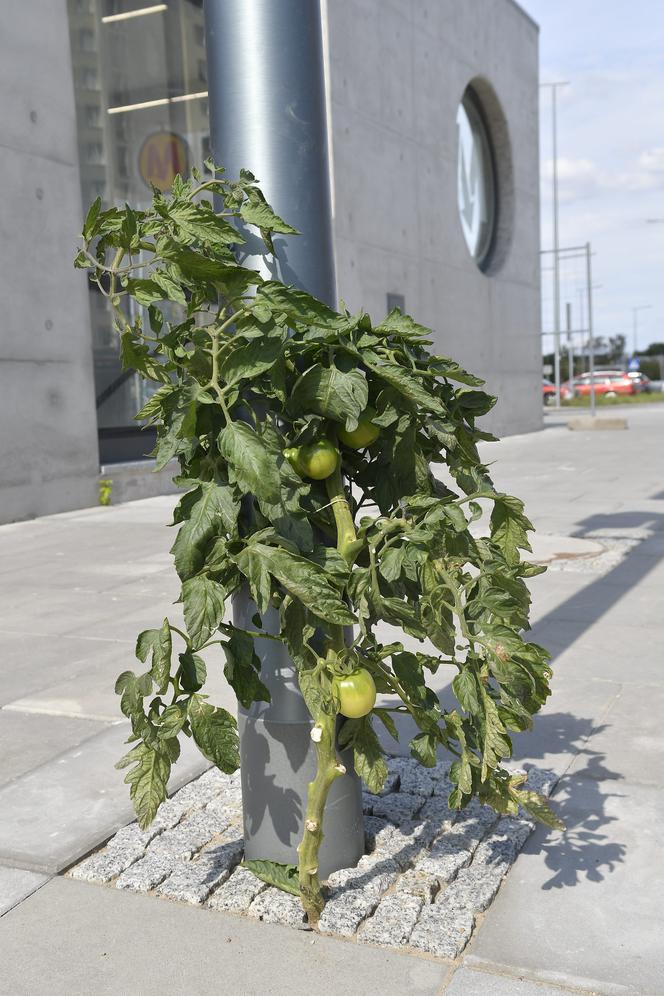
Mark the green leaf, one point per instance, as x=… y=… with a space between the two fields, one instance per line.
x=250 y=462
x=158 y=643
x=215 y=733
x=90 y=223
x=408 y=385
x=215 y=511
x=466 y=690
x=242 y=669
x=403 y=325
x=424 y=748
x=367 y=752
x=252 y=564
x=330 y=392
x=259 y=213
x=537 y=806
x=251 y=359
x=148 y=779
x=203 y=607
x=153 y=407
x=200 y=223
x=510 y=527
x=388 y=722
x=172 y=720
x=302 y=579
x=298 y=306
x=284 y=877
x=192 y=671
x=133 y=690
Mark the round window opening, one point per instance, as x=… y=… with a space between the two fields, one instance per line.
x=476 y=181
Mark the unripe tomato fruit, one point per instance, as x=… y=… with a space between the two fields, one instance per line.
x=365 y=434
x=317 y=460
x=356 y=693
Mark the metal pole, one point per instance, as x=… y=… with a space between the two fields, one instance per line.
x=268 y=115
x=556 y=252
x=591 y=352
x=556 y=248
x=570 y=348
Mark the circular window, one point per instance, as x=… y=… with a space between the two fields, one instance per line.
x=476 y=183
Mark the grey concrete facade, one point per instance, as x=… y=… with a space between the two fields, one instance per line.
x=48 y=441
x=397 y=72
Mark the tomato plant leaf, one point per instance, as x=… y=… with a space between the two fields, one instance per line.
x=281 y=876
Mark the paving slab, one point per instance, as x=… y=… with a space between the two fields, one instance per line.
x=27 y=741
x=64 y=808
x=74 y=939
x=16 y=884
x=467 y=982
x=580 y=910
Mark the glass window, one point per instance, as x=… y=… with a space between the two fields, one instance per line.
x=141 y=100
x=476 y=187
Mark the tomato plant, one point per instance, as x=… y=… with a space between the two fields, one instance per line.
x=244 y=369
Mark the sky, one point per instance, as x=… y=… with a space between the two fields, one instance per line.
x=610 y=158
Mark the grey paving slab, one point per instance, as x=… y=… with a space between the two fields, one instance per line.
x=630 y=740
x=31 y=662
x=64 y=808
x=16 y=884
x=27 y=741
x=74 y=939
x=467 y=982
x=580 y=909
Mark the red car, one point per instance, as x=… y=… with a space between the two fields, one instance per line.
x=548 y=391
x=607 y=383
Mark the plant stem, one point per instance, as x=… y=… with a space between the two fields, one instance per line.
x=327 y=769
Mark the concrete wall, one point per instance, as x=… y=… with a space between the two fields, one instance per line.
x=397 y=72
x=48 y=432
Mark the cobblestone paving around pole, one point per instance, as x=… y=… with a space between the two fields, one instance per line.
x=427 y=874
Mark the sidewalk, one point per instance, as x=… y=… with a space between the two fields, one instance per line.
x=578 y=913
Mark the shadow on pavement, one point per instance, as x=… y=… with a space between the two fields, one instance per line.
x=605 y=591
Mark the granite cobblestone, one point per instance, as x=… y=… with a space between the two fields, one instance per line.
x=427 y=873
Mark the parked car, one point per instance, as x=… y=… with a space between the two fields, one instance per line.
x=640 y=381
x=608 y=383
x=548 y=391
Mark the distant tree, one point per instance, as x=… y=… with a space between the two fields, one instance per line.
x=654 y=349
x=615 y=349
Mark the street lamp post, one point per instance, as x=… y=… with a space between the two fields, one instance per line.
x=556 y=248
x=268 y=115
x=635 y=324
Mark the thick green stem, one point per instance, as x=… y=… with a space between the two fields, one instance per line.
x=328 y=767
x=347 y=541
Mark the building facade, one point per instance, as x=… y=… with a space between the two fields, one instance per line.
x=432 y=119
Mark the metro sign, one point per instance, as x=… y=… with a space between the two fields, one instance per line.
x=163 y=155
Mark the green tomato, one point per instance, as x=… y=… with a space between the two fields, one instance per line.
x=317 y=460
x=356 y=693
x=365 y=434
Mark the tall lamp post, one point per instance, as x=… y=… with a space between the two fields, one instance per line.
x=556 y=247
x=268 y=115
x=635 y=324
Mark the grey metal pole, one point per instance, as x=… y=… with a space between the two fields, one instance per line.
x=268 y=115
x=556 y=248
x=591 y=347
x=556 y=252
x=570 y=348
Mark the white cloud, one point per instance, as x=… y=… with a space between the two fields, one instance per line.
x=579 y=179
